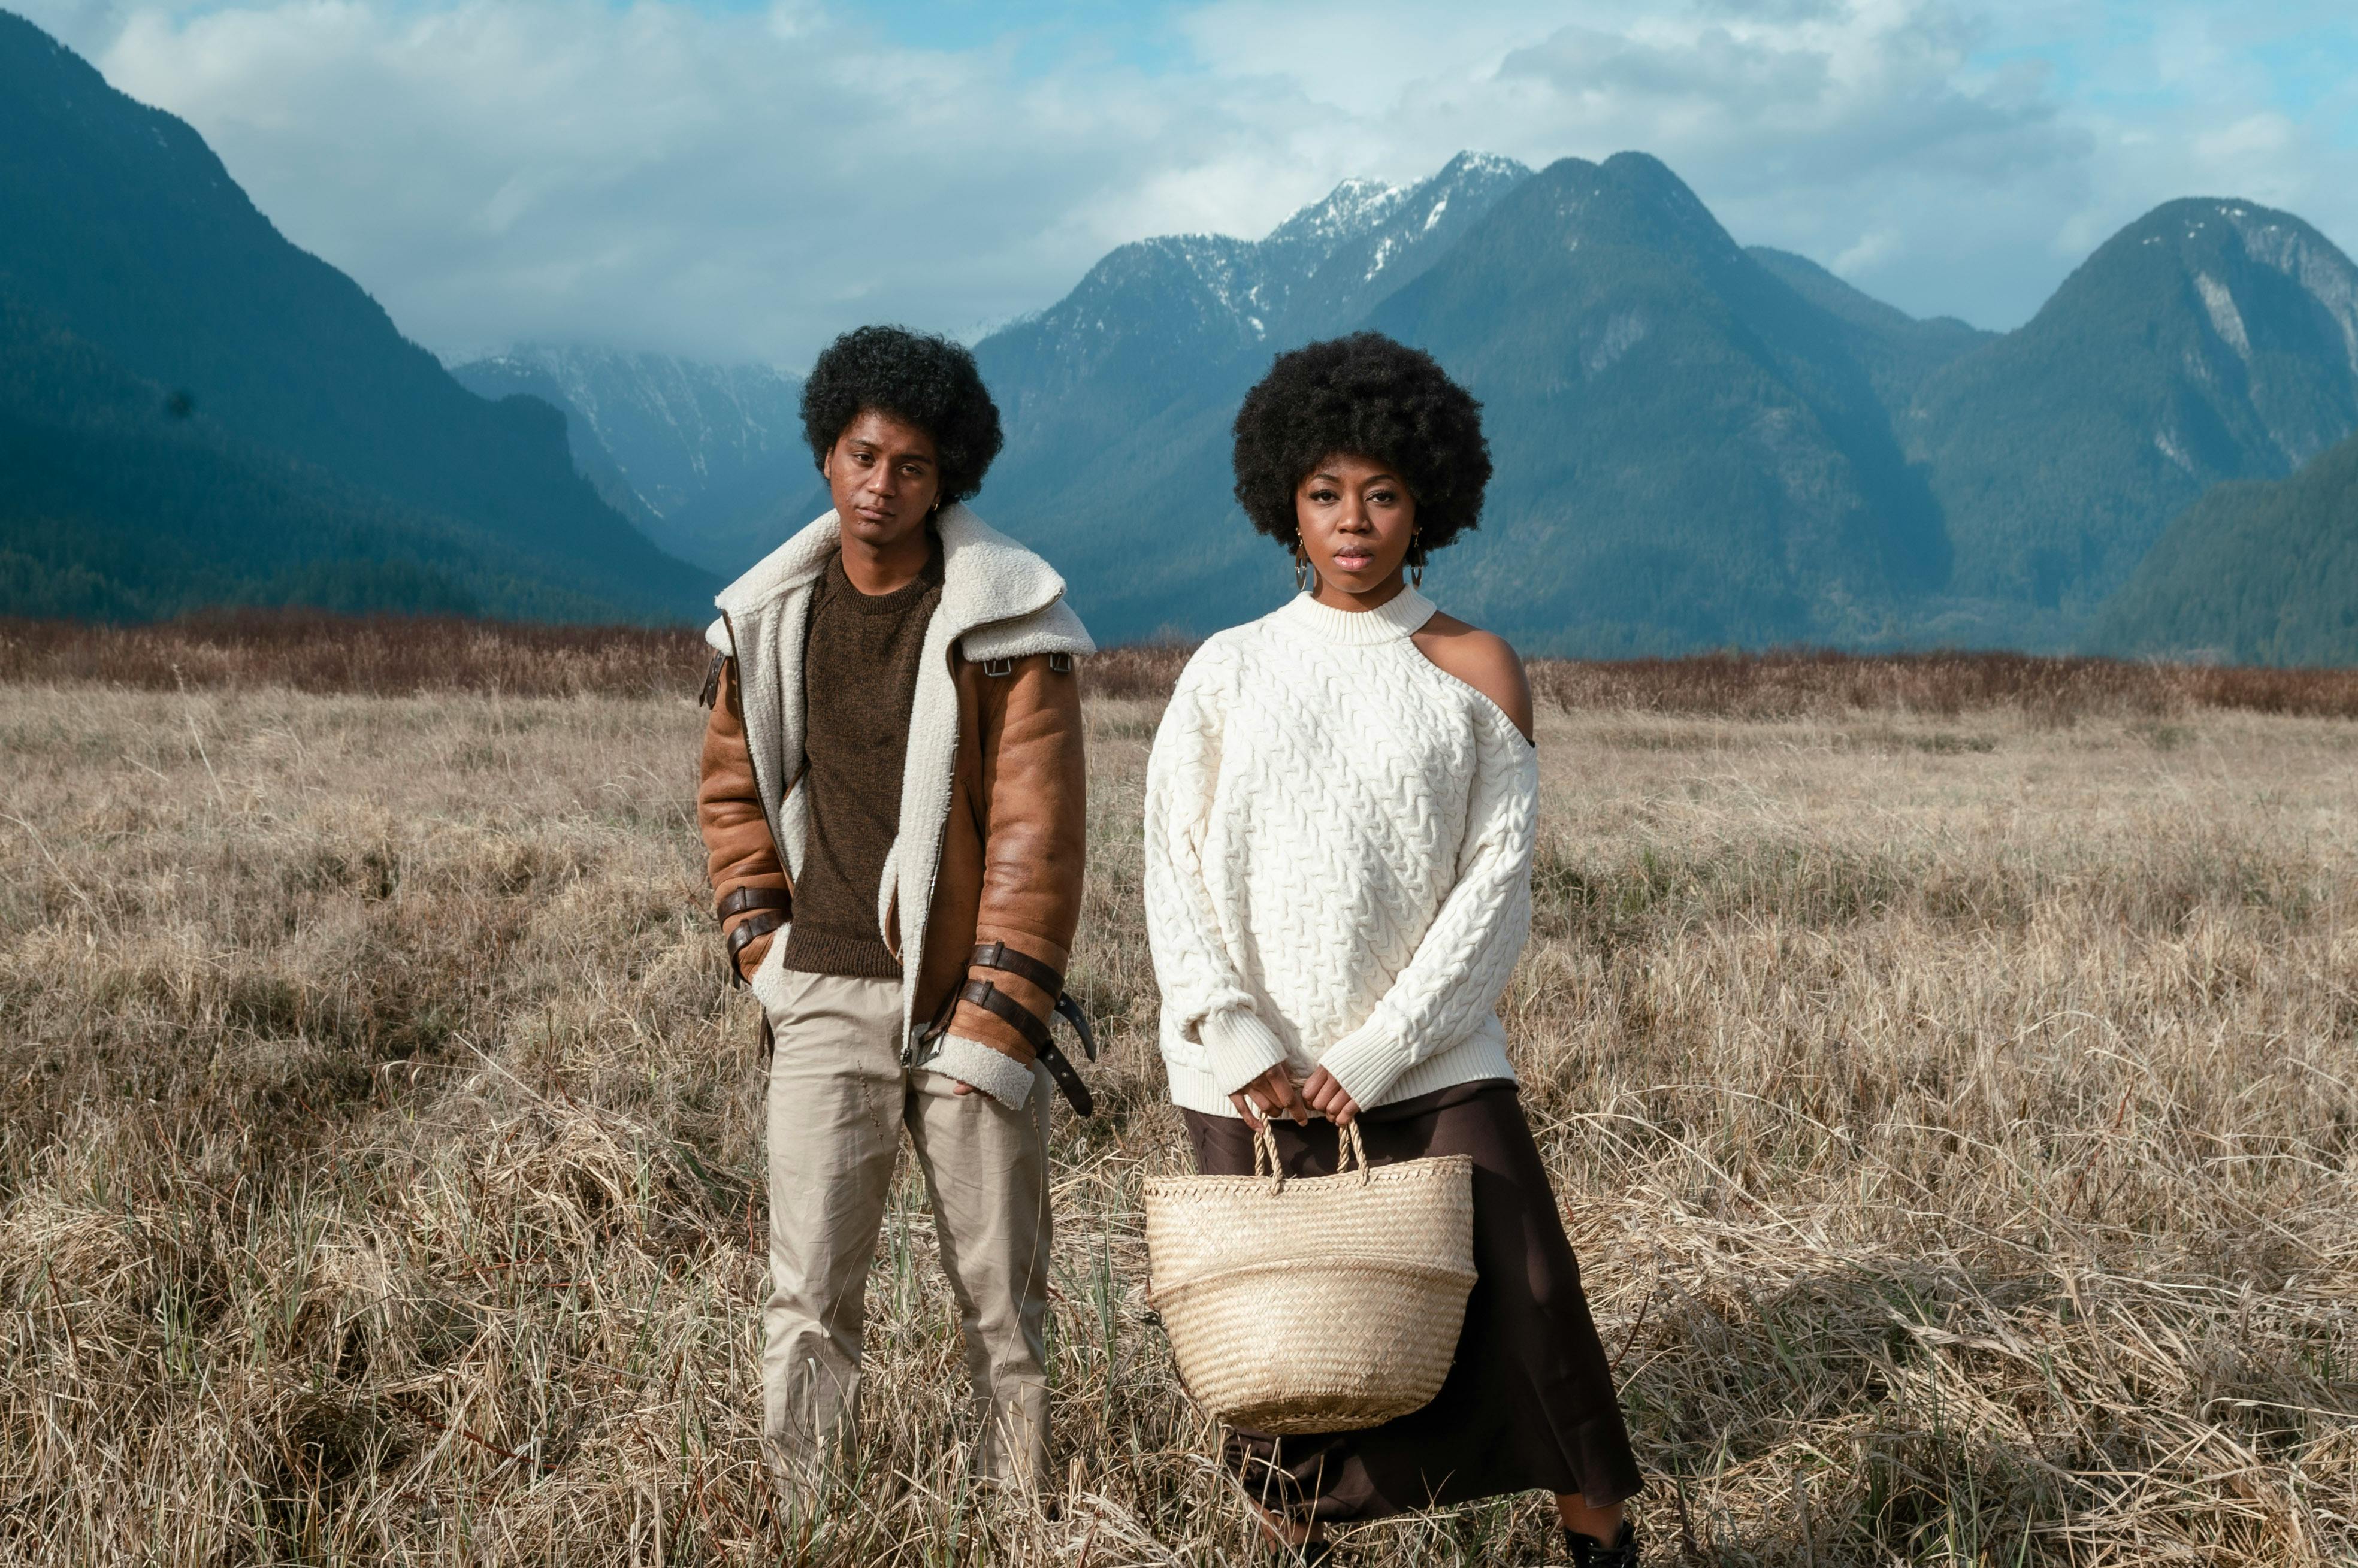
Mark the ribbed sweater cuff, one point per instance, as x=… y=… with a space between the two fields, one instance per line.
x=1241 y=1045
x=1366 y=1061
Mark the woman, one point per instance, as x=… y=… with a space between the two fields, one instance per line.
x=1339 y=819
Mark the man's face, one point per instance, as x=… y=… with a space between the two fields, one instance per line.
x=884 y=475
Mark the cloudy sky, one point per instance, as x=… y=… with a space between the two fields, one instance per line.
x=738 y=181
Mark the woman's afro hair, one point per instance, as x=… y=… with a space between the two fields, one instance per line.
x=1370 y=396
x=929 y=381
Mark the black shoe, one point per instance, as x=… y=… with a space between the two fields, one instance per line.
x=1588 y=1551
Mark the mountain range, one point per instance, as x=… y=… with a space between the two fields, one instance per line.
x=1697 y=443
x=697 y=455
x=194 y=411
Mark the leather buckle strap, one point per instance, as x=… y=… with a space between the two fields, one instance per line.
x=1005 y=1008
x=745 y=898
x=1070 y=1011
x=1069 y=1081
x=1023 y=966
x=999 y=1005
x=745 y=935
x=1000 y=956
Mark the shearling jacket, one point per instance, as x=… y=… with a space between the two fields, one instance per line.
x=993 y=829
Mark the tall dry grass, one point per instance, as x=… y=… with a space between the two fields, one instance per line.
x=1954 y=1115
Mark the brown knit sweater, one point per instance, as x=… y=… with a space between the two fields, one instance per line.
x=859 y=676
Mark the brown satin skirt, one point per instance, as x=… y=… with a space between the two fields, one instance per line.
x=1528 y=1404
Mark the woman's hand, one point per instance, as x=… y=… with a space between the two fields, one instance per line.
x=1271 y=1094
x=1326 y=1095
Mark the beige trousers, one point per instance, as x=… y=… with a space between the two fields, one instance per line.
x=839 y=1099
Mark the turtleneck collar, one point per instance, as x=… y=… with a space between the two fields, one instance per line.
x=1387 y=622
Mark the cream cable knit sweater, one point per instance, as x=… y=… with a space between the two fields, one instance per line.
x=1339 y=856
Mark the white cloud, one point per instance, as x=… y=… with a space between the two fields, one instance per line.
x=741 y=184
x=1871 y=250
x=1803 y=124
x=2256 y=136
x=733 y=185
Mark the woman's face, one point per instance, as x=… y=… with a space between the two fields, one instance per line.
x=1357 y=521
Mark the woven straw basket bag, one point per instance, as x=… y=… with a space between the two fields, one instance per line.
x=1315 y=1304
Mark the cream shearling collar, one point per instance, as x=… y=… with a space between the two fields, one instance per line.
x=985 y=577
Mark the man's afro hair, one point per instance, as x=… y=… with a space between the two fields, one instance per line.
x=929 y=381
x=1370 y=396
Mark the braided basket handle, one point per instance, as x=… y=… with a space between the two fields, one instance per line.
x=1266 y=1162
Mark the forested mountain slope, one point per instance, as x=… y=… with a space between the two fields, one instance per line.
x=2259 y=571
x=1688 y=453
x=2209 y=340
x=121 y=232
x=121 y=502
x=1899 y=352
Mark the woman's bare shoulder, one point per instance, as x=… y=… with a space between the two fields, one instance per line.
x=1482 y=660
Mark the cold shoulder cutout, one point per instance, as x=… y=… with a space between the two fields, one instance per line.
x=1482 y=660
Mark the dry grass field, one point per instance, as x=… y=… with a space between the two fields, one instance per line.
x=1952 y=1098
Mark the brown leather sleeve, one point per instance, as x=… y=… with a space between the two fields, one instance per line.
x=1034 y=803
x=737 y=849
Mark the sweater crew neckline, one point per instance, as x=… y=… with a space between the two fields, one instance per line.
x=1391 y=622
x=899 y=600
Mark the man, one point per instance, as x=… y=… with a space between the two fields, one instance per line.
x=891 y=801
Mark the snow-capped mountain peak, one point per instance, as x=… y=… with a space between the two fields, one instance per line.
x=1218 y=296
x=1350 y=209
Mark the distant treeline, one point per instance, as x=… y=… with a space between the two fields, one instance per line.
x=378 y=656
x=397 y=656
